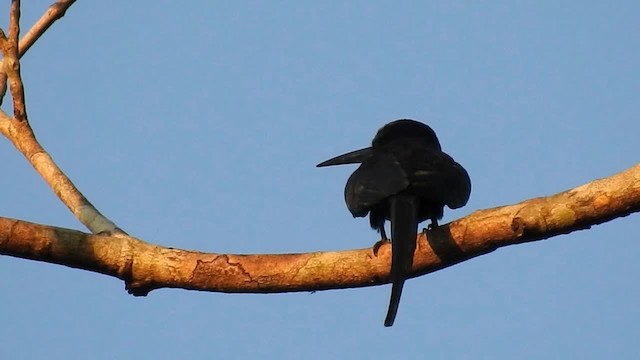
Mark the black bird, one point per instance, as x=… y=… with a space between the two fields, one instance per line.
x=403 y=177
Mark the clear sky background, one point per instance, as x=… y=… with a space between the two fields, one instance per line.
x=198 y=125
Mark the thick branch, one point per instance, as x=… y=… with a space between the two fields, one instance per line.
x=146 y=267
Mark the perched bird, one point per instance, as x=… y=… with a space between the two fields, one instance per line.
x=403 y=177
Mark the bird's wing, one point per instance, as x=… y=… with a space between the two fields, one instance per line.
x=435 y=176
x=377 y=178
x=459 y=186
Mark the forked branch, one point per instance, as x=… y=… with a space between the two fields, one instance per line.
x=18 y=130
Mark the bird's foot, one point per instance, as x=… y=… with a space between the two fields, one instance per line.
x=378 y=244
x=433 y=225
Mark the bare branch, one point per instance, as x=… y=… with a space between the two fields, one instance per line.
x=18 y=130
x=53 y=13
x=14 y=25
x=11 y=63
x=22 y=137
x=3 y=74
x=5 y=122
x=146 y=267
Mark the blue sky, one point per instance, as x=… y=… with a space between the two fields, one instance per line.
x=199 y=127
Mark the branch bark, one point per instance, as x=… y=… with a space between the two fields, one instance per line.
x=146 y=267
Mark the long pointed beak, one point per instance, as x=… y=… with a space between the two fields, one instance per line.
x=353 y=157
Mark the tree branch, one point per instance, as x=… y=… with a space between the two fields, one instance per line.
x=146 y=267
x=18 y=130
x=56 y=11
x=53 y=13
x=23 y=138
x=11 y=63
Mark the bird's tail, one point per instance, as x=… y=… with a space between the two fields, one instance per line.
x=404 y=226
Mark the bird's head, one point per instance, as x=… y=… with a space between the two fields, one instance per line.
x=403 y=129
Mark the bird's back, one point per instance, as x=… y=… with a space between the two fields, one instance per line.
x=412 y=167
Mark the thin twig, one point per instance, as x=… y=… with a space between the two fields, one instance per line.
x=11 y=63
x=3 y=74
x=14 y=24
x=53 y=13
x=22 y=137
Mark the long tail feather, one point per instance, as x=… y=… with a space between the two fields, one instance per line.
x=404 y=226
